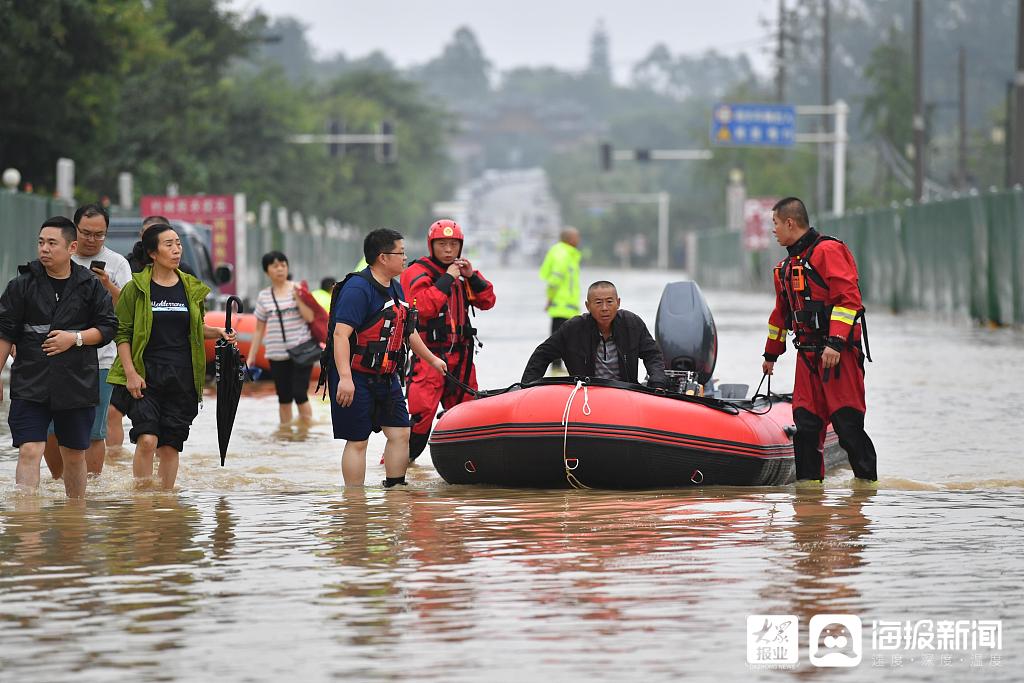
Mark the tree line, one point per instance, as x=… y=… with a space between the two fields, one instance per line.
x=188 y=91
x=178 y=91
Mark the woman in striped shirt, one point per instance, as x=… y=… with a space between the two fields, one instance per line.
x=287 y=328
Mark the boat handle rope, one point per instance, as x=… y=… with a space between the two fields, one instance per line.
x=462 y=385
x=768 y=396
x=569 y=476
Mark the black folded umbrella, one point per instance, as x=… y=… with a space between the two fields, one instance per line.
x=231 y=372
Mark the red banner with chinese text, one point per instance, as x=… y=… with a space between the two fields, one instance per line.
x=757 y=222
x=217 y=211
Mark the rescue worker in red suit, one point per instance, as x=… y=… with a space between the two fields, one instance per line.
x=817 y=296
x=444 y=287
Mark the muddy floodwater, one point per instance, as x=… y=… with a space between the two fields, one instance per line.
x=267 y=569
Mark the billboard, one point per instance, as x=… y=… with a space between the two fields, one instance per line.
x=217 y=211
x=757 y=222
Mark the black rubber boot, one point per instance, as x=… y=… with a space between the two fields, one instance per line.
x=394 y=481
x=810 y=461
x=849 y=426
x=417 y=442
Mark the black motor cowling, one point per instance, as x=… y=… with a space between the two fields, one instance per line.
x=685 y=330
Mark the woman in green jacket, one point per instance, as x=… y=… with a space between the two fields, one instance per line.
x=161 y=363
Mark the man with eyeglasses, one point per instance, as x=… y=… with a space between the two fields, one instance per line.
x=371 y=329
x=113 y=272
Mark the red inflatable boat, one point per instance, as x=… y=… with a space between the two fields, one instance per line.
x=561 y=433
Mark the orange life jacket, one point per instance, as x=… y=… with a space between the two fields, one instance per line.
x=451 y=327
x=806 y=293
x=379 y=346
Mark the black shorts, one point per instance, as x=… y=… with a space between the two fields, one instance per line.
x=291 y=381
x=168 y=405
x=29 y=422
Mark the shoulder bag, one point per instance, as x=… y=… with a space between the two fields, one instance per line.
x=305 y=354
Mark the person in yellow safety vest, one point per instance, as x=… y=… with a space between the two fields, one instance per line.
x=360 y=266
x=323 y=295
x=561 y=270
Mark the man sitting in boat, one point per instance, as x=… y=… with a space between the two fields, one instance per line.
x=605 y=342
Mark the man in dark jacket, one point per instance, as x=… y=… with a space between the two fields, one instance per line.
x=57 y=314
x=606 y=342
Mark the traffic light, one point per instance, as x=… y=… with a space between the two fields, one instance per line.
x=336 y=149
x=387 y=152
x=606 y=156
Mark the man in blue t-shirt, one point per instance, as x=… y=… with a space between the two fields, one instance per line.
x=366 y=400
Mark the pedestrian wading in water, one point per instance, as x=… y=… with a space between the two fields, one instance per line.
x=282 y=324
x=372 y=327
x=57 y=313
x=161 y=362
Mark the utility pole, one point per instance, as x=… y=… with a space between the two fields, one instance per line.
x=780 y=56
x=918 y=122
x=961 y=157
x=826 y=98
x=1009 y=135
x=1018 y=102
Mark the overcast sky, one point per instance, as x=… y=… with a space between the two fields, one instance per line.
x=530 y=32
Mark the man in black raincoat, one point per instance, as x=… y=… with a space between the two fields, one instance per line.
x=57 y=314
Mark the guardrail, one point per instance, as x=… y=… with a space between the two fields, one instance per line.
x=961 y=256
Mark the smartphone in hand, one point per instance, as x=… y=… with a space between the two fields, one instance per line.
x=98 y=265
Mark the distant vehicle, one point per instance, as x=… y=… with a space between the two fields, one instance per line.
x=123 y=233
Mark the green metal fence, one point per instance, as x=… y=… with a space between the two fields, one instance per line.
x=962 y=256
x=20 y=218
x=313 y=250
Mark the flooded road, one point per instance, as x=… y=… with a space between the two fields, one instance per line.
x=266 y=569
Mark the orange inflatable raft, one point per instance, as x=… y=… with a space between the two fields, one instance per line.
x=245 y=326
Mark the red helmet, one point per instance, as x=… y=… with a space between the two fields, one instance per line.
x=444 y=229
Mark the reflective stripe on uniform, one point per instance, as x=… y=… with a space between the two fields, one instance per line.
x=844 y=315
x=775 y=334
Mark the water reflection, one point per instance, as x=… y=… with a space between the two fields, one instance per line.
x=70 y=567
x=823 y=547
x=41 y=541
x=829 y=536
x=223 y=536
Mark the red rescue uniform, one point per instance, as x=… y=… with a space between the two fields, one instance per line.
x=817 y=296
x=444 y=306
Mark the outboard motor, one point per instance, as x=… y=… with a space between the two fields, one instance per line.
x=685 y=331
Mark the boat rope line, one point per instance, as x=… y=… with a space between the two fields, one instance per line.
x=757 y=394
x=569 y=476
x=728 y=407
x=462 y=385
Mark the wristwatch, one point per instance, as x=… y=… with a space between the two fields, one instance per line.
x=78 y=339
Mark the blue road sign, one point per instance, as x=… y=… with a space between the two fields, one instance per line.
x=753 y=125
